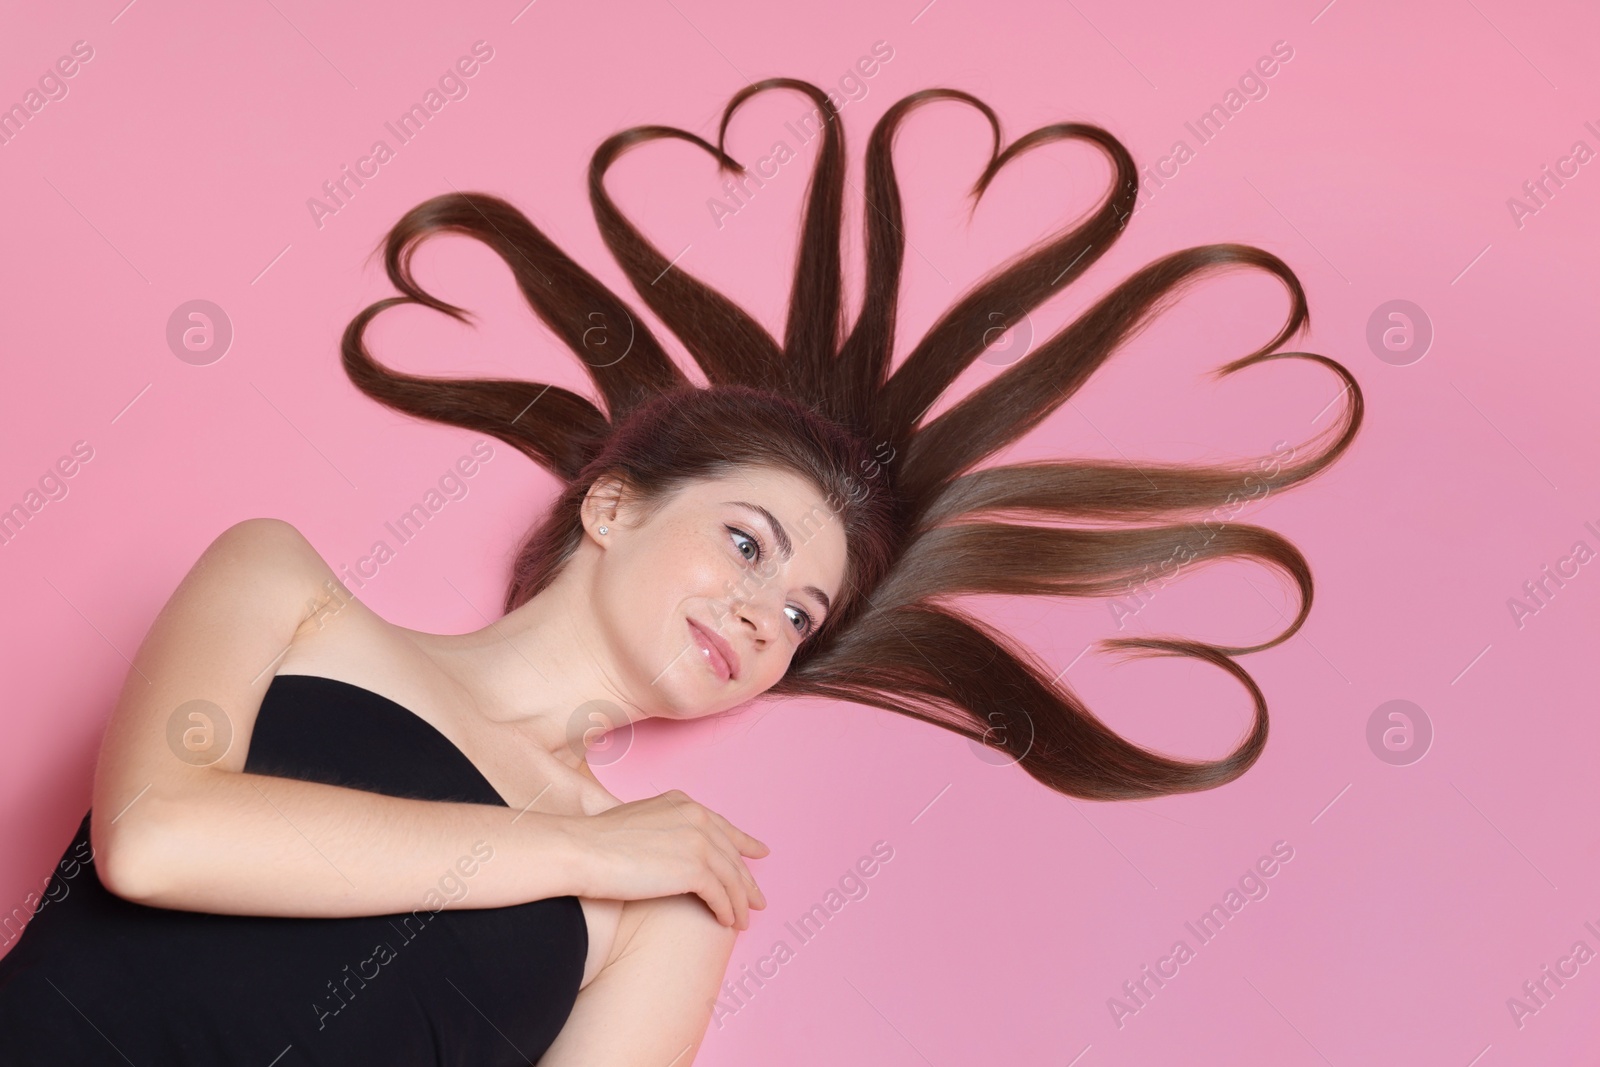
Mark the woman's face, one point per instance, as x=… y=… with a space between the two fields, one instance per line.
x=705 y=601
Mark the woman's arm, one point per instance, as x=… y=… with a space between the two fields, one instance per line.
x=655 y=997
x=174 y=829
x=248 y=844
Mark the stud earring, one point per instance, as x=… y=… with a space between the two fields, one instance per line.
x=602 y=530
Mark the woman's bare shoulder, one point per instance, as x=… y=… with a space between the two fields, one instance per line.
x=281 y=550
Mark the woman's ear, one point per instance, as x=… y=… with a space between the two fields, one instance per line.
x=601 y=505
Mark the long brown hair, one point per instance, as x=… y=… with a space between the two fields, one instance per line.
x=930 y=524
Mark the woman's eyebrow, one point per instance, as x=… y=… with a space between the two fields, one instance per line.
x=785 y=545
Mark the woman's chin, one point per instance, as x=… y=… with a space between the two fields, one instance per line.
x=691 y=694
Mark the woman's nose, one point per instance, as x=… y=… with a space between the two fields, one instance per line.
x=759 y=614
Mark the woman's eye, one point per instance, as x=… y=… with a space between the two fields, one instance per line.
x=802 y=620
x=741 y=539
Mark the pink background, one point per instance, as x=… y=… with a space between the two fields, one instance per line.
x=1379 y=165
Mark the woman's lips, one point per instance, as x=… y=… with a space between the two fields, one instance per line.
x=719 y=654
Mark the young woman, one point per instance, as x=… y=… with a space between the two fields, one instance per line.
x=318 y=837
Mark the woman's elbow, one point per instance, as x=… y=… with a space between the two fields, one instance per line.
x=119 y=864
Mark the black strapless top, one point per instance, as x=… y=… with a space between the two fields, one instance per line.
x=96 y=979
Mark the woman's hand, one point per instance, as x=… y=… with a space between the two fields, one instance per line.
x=666 y=845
